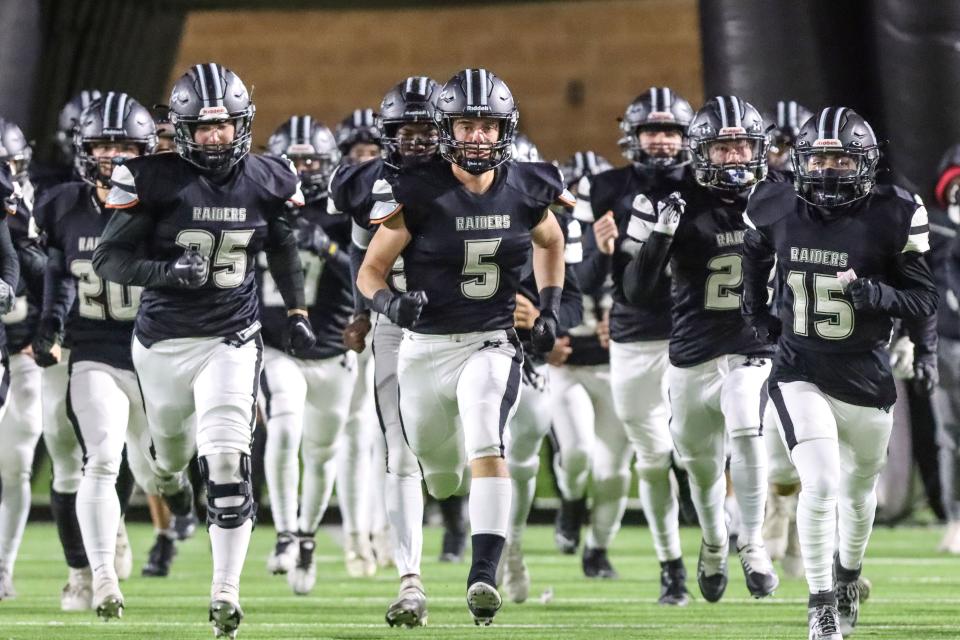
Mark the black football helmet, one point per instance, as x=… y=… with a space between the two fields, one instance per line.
x=67 y=120
x=115 y=117
x=658 y=109
x=835 y=158
x=783 y=126
x=410 y=102
x=358 y=127
x=14 y=148
x=207 y=94
x=165 y=129
x=732 y=121
x=476 y=93
x=524 y=150
x=310 y=145
x=583 y=163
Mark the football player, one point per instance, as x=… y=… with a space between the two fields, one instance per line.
x=464 y=227
x=21 y=423
x=717 y=366
x=409 y=138
x=654 y=141
x=103 y=398
x=849 y=256
x=203 y=214
x=307 y=394
x=784 y=124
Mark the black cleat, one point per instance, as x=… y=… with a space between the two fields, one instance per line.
x=758 y=571
x=160 y=557
x=597 y=565
x=570 y=518
x=849 y=587
x=823 y=623
x=226 y=618
x=484 y=601
x=673 y=584
x=712 y=571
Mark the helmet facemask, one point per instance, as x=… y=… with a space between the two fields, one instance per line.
x=476 y=157
x=656 y=155
x=833 y=177
x=409 y=143
x=314 y=169
x=97 y=170
x=213 y=157
x=730 y=162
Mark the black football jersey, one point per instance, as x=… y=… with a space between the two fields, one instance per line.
x=21 y=320
x=615 y=190
x=825 y=340
x=707 y=278
x=468 y=250
x=99 y=325
x=226 y=218
x=329 y=295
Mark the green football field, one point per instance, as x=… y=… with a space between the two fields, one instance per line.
x=916 y=594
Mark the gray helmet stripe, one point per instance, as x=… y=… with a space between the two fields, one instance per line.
x=120 y=110
x=781 y=116
x=219 y=93
x=822 y=125
x=723 y=112
x=667 y=97
x=653 y=99
x=357 y=117
x=836 y=122
x=469 y=87
x=735 y=106
x=408 y=85
x=294 y=125
x=793 y=114
x=483 y=86
x=202 y=81
x=105 y=111
x=423 y=85
x=307 y=126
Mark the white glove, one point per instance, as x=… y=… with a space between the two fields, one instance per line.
x=668 y=214
x=901 y=358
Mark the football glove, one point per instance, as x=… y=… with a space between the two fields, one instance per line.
x=668 y=213
x=402 y=309
x=190 y=270
x=766 y=327
x=901 y=358
x=300 y=336
x=49 y=334
x=865 y=294
x=7 y=297
x=925 y=373
x=312 y=237
x=544 y=332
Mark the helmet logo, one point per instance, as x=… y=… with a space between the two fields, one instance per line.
x=661 y=116
x=301 y=149
x=732 y=131
x=212 y=112
x=828 y=142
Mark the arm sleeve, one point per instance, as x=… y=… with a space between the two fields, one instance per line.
x=923 y=333
x=643 y=270
x=571 y=302
x=33 y=265
x=9 y=263
x=283 y=260
x=913 y=293
x=758 y=260
x=59 y=289
x=118 y=256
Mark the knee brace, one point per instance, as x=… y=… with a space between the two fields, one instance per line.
x=217 y=472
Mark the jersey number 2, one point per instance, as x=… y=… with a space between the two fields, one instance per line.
x=726 y=274
x=486 y=275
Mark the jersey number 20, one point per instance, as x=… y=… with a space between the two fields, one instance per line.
x=120 y=302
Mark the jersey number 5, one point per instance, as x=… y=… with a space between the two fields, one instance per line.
x=228 y=258
x=486 y=275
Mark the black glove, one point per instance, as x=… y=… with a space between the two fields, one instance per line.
x=7 y=297
x=543 y=334
x=190 y=270
x=925 y=374
x=402 y=309
x=865 y=294
x=312 y=237
x=49 y=334
x=766 y=327
x=300 y=336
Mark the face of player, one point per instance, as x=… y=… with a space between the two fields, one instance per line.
x=841 y=163
x=733 y=151
x=417 y=139
x=663 y=143
x=165 y=140
x=363 y=151
x=481 y=133
x=106 y=153
x=214 y=133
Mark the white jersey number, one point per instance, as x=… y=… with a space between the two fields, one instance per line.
x=486 y=278
x=229 y=257
x=726 y=274
x=122 y=301
x=828 y=301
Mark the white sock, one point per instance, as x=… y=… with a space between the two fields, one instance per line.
x=404 y=499
x=14 y=509
x=378 y=481
x=353 y=477
x=748 y=471
x=662 y=511
x=609 y=504
x=708 y=502
x=229 y=551
x=490 y=506
x=818 y=463
x=523 y=479
x=857 y=508
x=281 y=465
x=317 y=488
x=98 y=512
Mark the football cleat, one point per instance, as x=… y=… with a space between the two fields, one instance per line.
x=596 y=564
x=225 y=616
x=160 y=557
x=77 y=594
x=673 y=584
x=758 y=571
x=303 y=577
x=516 y=577
x=484 y=601
x=284 y=556
x=106 y=595
x=712 y=571
x=358 y=556
x=410 y=607
x=123 y=559
x=847 y=586
x=570 y=517
x=823 y=623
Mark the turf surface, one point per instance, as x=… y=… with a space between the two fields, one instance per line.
x=916 y=595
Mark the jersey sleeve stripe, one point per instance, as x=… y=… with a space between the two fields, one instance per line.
x=567 y=199
x=112 y=205
x=119 y=198
x=383 y=211
x=638 y=228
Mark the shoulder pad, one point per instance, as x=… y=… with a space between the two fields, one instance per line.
x=541 y=182
x=277 y=176
x=123 y=189
x=769 y=202
x=57 y=201
x=351 y=187
x=582 y=210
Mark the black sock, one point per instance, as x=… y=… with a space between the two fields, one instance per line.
x=822 y=599
x=181 y=503
x=125 y=483
x=64 y=508
x=452 y=510
x=487 y=548
x=843 y=574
